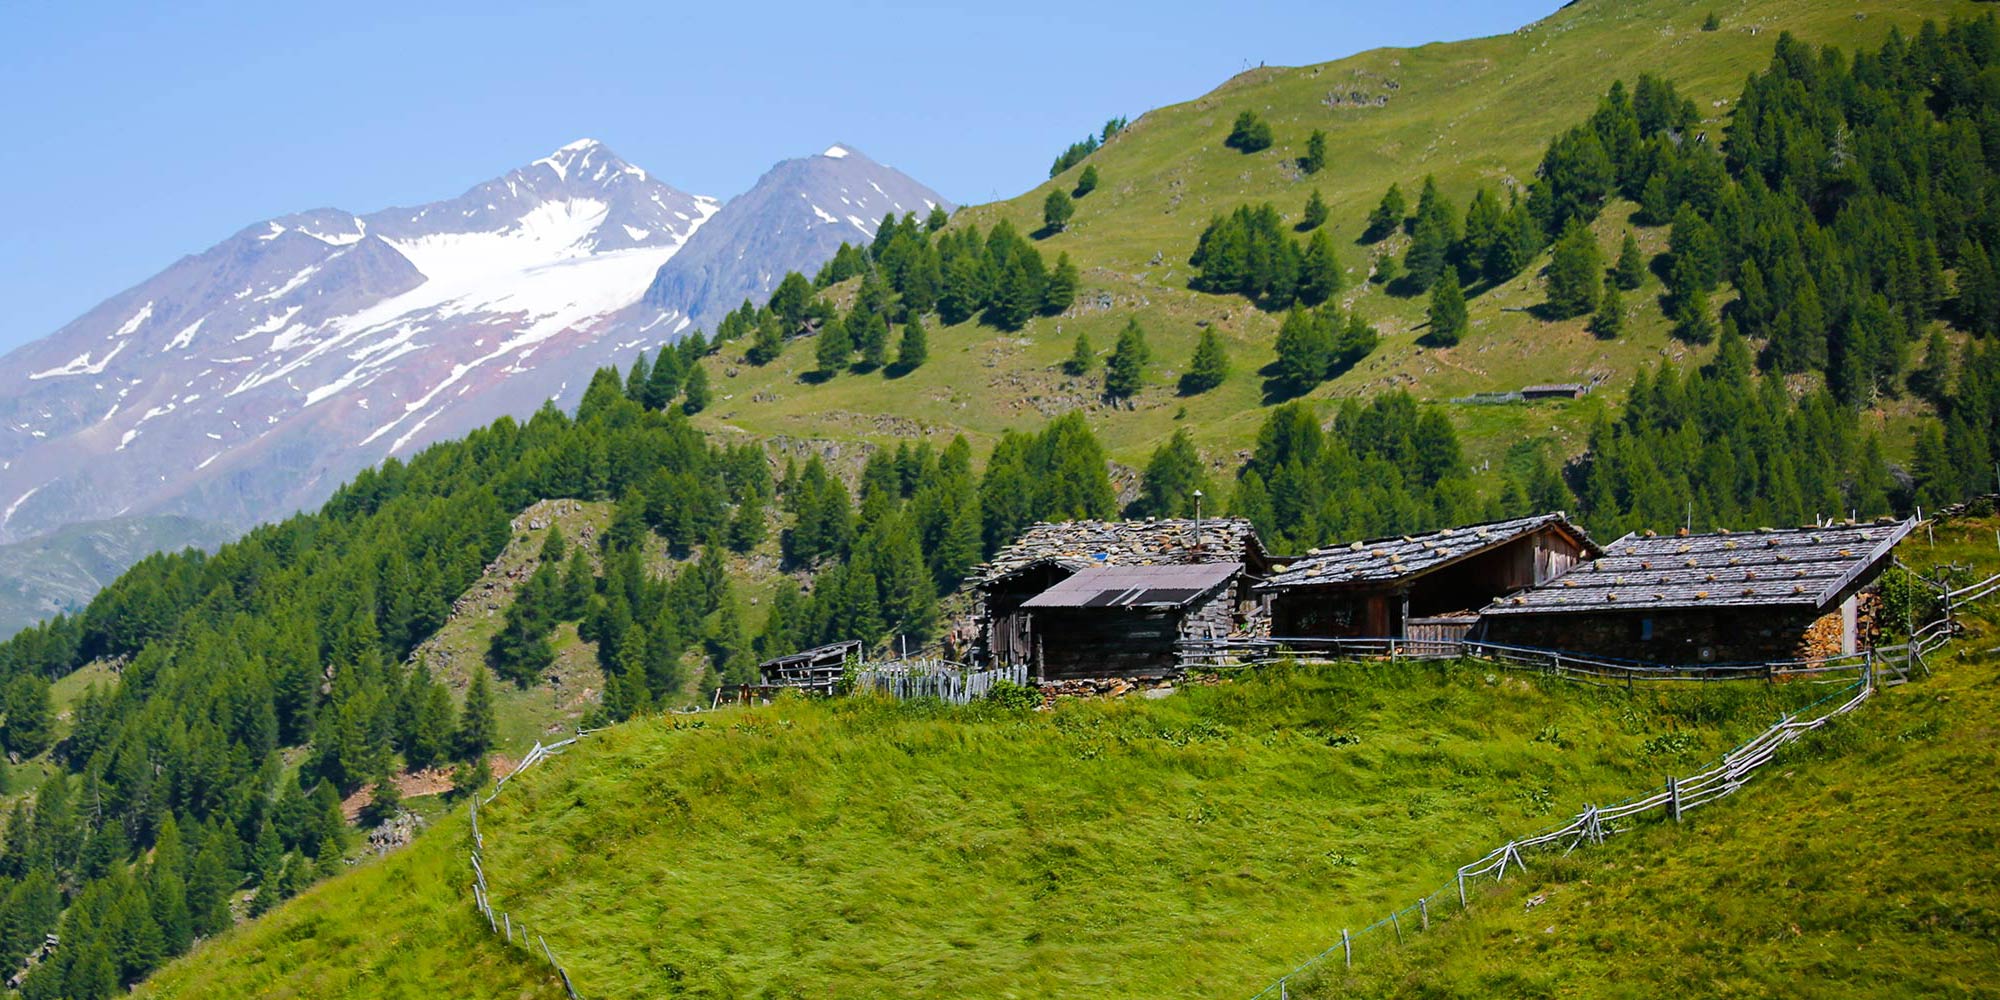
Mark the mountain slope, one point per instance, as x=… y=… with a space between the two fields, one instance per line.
x=58 y=572
x=1473 y=112
x=245 y=381
x=795 y=217
x=1184 y=846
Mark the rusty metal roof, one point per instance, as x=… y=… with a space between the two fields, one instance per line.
x=1812 y=567
x=1382 y=559
x=1142 y=587
x=1075 y=545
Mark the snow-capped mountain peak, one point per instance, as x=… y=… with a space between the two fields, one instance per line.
x=248 y=379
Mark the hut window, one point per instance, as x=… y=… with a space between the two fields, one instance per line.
x=1643 y=630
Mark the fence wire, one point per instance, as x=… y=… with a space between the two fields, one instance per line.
x=1673 y=800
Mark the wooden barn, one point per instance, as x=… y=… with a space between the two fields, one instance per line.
x=1420 y=586
x=1127 y=621
x=1748 y=597
x=1049 y=553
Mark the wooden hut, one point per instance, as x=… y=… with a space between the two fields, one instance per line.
x=1745 y=597
x=817 y=669
x=1127 y=621
x=1051 y=552
x=1421 y=587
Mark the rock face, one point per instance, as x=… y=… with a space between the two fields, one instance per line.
x=249 y=380
x=794 y=218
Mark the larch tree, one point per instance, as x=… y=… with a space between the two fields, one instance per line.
x=1448 y=320
x=1208 y=367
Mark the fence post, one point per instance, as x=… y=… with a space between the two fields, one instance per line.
x=1397 y=922
x=1347 y=947
x=1461 y=890
x=1424 y=912
x=1674 y=798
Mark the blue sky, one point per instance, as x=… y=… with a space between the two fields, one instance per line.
x=141 y=132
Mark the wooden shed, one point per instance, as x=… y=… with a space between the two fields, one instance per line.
x=1728 y=597
x=1051 y=552
x=1127 y=621
x=1427 y=586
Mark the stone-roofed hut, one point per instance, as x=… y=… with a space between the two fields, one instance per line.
x=1128 y=621
x=1425 y=587
x=1744 y=597
x=1049 y=553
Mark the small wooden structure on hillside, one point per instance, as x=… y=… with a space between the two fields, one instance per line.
x=1422 y=587
x=1717 y=598
x=1555 y=390
x=818 y=669
x=1050 y=553
x=1128 y=621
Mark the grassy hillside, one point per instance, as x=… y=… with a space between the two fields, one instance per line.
x=395 y=927
x=1199 y=845
x=1185 y=846
x=1864 y=870
x=1472 y=113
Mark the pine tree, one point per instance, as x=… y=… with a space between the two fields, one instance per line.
x=1387 y=216
x=1315 y=157
x=1386 y=269
x=1086 y=181
x=30 y=723
x=1056 y=211
x=1431 y=242
x=1448 y=320
x=1573 y=273
x=1249 y=134
x=476 y=721
x=834 y=348
x=914 y=349
x=1315 y=213
x=1932 y=380
x=1060 y=292
x=1171 y=478
x=665 y=381
x=1609 y=320
x=1208 y=367
x=1126 y=370
x=1081 y=358
x=1303 y=351
x=936 y=220
x=871 y=335
x=1319 y=270
x=1630 y=270
x=769 y=342
x=1692 y=323
x=695 y=391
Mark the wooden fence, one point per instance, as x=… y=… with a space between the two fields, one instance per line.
x=502 y=922
x=903 y=679
x=1226 y=654
x=941 y=679
x=1672 y=800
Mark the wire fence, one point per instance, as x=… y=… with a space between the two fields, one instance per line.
x=501 y=921
x=958 y=684
x=1671 y=800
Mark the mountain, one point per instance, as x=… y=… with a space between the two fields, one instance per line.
x=59 y=571
x=793 y=219
x=246 y=381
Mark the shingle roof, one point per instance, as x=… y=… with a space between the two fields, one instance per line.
x=1772 y=567
x=1137 y=586
x=1076 y=545
x=1394 y=558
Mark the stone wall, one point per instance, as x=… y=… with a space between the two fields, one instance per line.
x=1721 y=635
